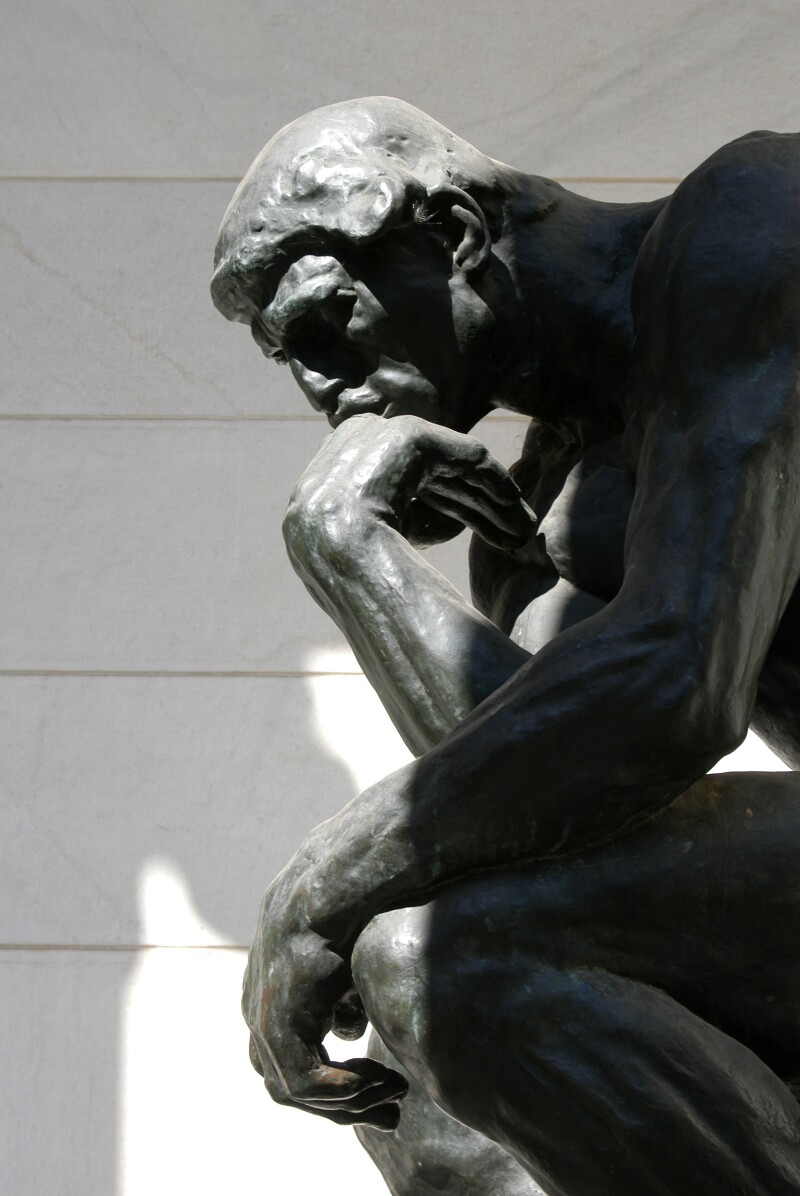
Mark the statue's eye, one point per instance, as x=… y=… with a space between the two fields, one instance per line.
x=279 y=356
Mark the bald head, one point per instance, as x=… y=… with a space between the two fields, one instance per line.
x=350 y=171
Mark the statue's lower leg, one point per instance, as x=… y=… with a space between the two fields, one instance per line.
x=431 y=1153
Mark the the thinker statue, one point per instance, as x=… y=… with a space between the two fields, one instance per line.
x=582 y=952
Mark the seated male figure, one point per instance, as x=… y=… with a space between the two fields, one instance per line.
x=572 y=940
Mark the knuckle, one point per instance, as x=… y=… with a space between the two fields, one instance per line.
x=407 y=422
x=302 y=493
x=302 y=1089
x=278 y=1094
x=255 y=1059
x=295 y=515
x=310 y=509
x=411 y=426
x=314 y=497
x=250 y=1004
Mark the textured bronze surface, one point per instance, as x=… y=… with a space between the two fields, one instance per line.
x=577 y=949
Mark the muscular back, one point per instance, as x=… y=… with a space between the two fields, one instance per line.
x=717 y=301
x=717 y=286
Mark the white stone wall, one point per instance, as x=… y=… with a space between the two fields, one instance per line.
x=175 y=712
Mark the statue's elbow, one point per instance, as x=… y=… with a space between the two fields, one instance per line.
x=322 y=538
x=309 y=527
x=710 y=719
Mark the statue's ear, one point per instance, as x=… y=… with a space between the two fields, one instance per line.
x=465 y=223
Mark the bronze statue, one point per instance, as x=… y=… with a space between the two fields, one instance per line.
x=580 y=950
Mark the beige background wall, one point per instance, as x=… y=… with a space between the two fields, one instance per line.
x=175 y=712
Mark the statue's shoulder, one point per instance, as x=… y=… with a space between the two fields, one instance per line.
x=749 y=188
x=760 y=151
x=723 y=256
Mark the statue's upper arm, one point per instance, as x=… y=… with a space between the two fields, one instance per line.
x=713 y=546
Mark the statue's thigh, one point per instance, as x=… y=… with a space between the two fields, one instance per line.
x=578 y=1070
x=701 y=902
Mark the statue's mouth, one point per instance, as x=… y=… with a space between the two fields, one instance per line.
x=357 y=403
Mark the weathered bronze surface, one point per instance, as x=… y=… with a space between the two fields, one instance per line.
x=580 y=950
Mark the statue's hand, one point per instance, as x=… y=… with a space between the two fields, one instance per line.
x=293 y=983
x=426 y=480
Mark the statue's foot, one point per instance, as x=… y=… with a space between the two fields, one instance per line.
x=430 y=1153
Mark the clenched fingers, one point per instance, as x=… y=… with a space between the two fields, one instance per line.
x=356 y=1092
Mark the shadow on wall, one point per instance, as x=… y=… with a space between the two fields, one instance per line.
x=191 y=1111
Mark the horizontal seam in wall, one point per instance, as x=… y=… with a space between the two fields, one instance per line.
x=72 y=417
x=120 y=178
x=231 y=178
x=621 y=178
x=121 y=947
x=235 y=674
x=75 y=417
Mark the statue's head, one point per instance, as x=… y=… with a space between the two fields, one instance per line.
x=358 y=248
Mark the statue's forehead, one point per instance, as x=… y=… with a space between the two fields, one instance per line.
x=325 y=208
x=280 y=202
x=259 y=247
x=326 y=186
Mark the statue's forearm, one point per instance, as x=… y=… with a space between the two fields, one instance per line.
x=621 y=713
x=569 y=752
x=429 y=654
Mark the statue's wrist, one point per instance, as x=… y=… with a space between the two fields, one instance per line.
x=333 y=533
x=338 y=883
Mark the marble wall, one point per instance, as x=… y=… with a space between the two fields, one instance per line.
x=176 y=712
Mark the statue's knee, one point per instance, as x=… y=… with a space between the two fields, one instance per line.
x=413 y=990
x=425 y=981
x=388 y=973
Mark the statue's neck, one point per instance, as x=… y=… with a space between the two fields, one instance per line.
x=572 y=261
